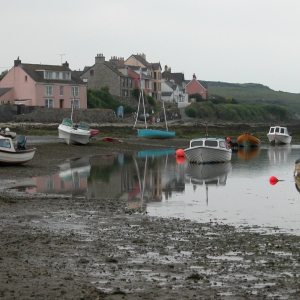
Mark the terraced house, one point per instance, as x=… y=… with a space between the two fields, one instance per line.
x=43 y=85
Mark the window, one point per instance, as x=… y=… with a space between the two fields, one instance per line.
x=130 y=83
x=124 y=93
x=25 y=78
x=75 y=103
x=57 y=75
x=85 y=80
x=48 y=90
x=154 y=75
x=61 y=90
x=74 y=90
x=48 y=74
x=48 y=103
x=66 y=75
x=91 y=72
x=155 y=86
x=150 y=85
x=123 y=82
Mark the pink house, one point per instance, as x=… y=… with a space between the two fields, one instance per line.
x=140 y=79
x=42 y=85
x=195 y=87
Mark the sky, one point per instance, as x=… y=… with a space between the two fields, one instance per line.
x=236 y=41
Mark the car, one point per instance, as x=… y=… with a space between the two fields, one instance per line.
x=142 y=117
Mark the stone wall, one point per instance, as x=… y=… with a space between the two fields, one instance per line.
x=56 y=115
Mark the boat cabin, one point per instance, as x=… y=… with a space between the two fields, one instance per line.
x=216 y=142
x=279 y=129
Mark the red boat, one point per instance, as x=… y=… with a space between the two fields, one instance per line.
x=94 y=132
x=109 y=139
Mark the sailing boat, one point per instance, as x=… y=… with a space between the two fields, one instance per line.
x=151 y=133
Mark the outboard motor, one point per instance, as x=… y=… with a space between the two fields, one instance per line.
x=21 y=142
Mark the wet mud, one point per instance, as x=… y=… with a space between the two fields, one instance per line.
x=60 y=247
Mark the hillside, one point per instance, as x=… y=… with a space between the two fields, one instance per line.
x=252 y=93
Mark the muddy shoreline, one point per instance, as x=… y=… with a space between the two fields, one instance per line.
x=60 y=247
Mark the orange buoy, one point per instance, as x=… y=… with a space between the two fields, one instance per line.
x=273 y=180
x=179 y=153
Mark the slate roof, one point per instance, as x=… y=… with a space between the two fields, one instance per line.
x=33 y=71
x=155 y=66
x=4 y=91
x=177 y=77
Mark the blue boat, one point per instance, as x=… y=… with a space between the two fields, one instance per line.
x=155 y=134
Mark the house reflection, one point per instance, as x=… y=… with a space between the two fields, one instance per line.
x=125 y=176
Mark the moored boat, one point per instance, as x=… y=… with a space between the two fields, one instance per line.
x=279 y=135
x=248 y=140
x=208 y=150
x=15 y=155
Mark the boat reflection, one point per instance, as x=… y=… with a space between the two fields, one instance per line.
x=248 y=153
x=207 y=175
x=279 y=153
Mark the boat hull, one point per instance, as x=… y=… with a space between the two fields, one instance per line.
x=248 y=140
x=202 y=154
x=16 y=158
x=155 y=134
x=279 y=138
x=73 y=136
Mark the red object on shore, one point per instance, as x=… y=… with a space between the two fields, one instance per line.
x=94 y=132
x=273 y=180
x=109 y=139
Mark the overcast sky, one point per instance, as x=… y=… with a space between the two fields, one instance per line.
x=236 y=41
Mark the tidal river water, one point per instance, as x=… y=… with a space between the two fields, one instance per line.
x=238 y=193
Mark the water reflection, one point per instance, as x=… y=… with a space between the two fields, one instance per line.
x=207 y=175
x=248 y=153
x=279 y=153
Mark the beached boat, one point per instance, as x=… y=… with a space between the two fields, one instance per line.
x=151 y=133
x=248 y=140
x=93 y=132
x=74 y=134
x=7 y=133
x=279 y=135
x=15 y=155
x=208 y=150
x=155 y=133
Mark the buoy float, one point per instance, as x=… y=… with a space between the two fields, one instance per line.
x=179 y=153
x=273 y=180
x=228 y=138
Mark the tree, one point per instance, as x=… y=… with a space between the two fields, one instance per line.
x=197 y=96
x=3 y=74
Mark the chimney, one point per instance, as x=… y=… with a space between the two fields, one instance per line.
x=17 y=62
x=166 y=68
x=66 y=64
x=194 y=76
x=99 y=58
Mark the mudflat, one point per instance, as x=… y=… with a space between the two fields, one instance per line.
x=60 y=247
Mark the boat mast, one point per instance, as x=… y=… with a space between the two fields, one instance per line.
x=165 y=114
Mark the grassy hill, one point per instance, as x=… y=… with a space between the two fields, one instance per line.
x=252 y=93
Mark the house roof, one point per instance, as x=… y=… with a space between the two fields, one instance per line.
x=177 y=77
x=33 y=70
x=4 y=91
x=154 y=66
x=166 y=93
x=203 y=83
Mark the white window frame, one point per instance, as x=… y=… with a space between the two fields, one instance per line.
x=75 y=91
x=48 y=90
x=48 y=74
x=57 y=75
x=76 y=101
x=49 y=102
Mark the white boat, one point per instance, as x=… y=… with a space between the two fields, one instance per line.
x=74 y=134
x=7 y=133
x=208 y=150
x=15 y=155
x=279 y=135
